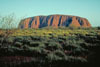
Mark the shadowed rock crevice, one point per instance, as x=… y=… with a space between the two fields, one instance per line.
x=30 y=23
x=68 y=21
x=60 y=21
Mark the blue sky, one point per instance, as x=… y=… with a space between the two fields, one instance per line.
x=89 y=9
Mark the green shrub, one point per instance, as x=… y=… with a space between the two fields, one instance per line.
x=80 y=52
x=70 y=46
x=34 y=44
x=19 y=39
x=53 y=46
x=35 y=49
x=62 y=38
x=1 y=39
x=10 y=40
x=18 y=44
x=25 y=47
x=35 y=38
x=52 y=34
x=85 y=45
x=60 y=41
x=42 y=45
x=59 y=53
x=52 y=57
x=76 y=59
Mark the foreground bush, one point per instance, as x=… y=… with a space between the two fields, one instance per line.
x=49 y=51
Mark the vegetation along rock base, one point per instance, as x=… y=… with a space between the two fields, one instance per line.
x=67 y=47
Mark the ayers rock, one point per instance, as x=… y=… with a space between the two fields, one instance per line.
x=54 y=21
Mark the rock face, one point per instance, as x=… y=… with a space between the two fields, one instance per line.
x=54 y=21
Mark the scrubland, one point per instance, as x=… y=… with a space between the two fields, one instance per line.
x=50 y=47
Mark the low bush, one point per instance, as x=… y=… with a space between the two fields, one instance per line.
x=34 y=44
x=72 y=59
x=53 y=46
x=18 y=39
x=52 y=57
x=18 y=44
x=35 y=38
x=10 y=40
x=60 y=53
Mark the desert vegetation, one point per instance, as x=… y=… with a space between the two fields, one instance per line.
x=50 y=47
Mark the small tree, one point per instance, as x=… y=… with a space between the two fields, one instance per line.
x=7 y=22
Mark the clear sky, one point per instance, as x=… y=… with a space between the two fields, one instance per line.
x=89 y=9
